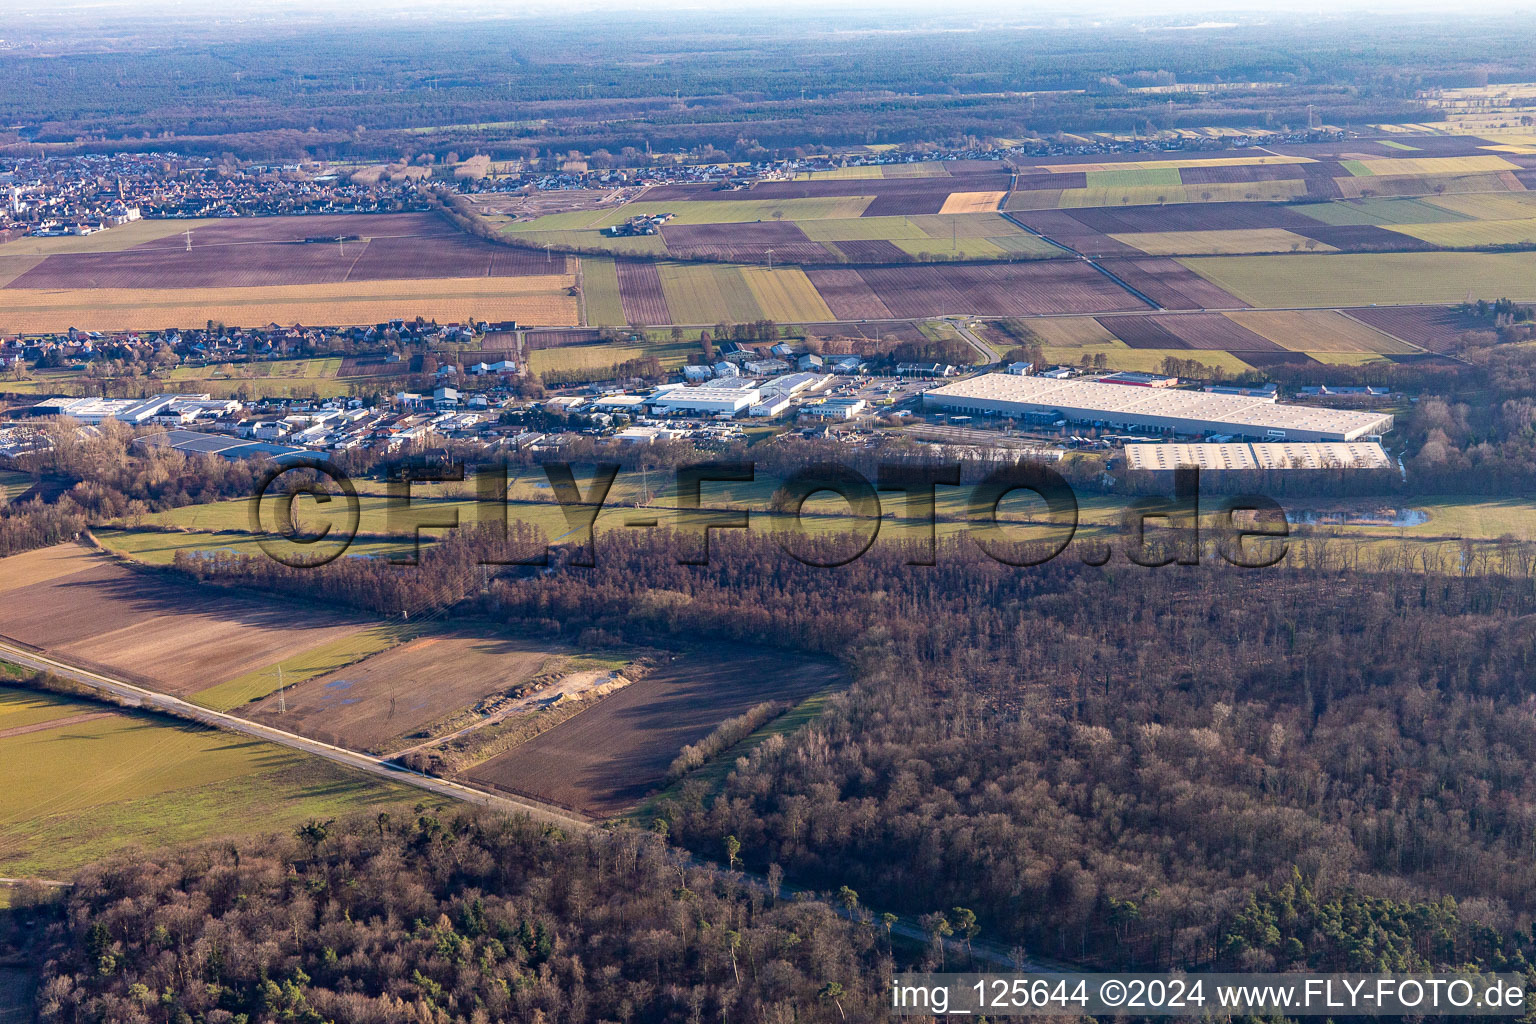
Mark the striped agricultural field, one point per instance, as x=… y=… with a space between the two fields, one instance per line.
x=861 y=229
x=1320 y=331
x=1466 y=233
x=1220 y=242
x=708 y=293
x=533 y=300
x=1432 y=165
x=600 y=299
x=1512 y=206
x=786 y=294
x=1348 y=279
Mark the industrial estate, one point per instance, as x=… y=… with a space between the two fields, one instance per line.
x=384 y=635
x=1153 y=409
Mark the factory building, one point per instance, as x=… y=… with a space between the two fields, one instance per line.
x=706 y=400
x=1257 y=457
x=1164 y=410
x=132 y=411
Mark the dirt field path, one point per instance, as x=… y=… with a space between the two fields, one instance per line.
x=55 y=723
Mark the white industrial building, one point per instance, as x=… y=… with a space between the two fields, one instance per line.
x=706 y=400
x=124 y=410
x=618 y=403
x=1257 y=457
x=1158 y=409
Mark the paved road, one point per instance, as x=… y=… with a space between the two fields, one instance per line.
x=988 y=357
x=140 y=697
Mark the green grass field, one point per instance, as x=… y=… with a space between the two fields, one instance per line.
x=124 y=236
x=14 y=484
x=1369 y=279
x=157 y=547
x=317 y=661
x=966 y=225
x=82 y=791
x=1450 y=518
x=785 y=293
x=990 y=236
x=1486 y=206
x=1157 y=195
x=1135 y=178
x=861 y=229
x=945 y=248
x=704 y=293
x=843 y=173
x=1121 y=356
x=1473 y=232
x=1378 y=212
x=601 y=304
x=1220 y=242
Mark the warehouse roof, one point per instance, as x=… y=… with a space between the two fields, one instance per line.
x=193 y=442
x=1113 y=399
x=1258 y=456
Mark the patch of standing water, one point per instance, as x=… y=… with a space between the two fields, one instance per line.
x=1373 y=517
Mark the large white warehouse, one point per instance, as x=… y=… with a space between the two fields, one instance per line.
x=707 y=400
x=1162 y=409
x=1261 y=455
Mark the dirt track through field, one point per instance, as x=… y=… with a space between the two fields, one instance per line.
x=55 y=723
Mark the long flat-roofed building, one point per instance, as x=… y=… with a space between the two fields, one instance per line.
x=1258 y=456
x=707 y=400
x=1161 y=409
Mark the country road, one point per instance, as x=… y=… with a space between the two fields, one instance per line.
x=363 y=762
x=988 y=357
x=980 y=951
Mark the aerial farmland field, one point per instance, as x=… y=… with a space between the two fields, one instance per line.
x=1474 y=232
x=601 y=303
x=163 y=632
x=1360 y=280
x=851 y=229
x=1512 y=206
x=737 y=211
x=707 y=293
x=374 y=703
x=126 y=236
x=142 y=779
x=538 y=300
x=971 y=202
x=1321 y=333
x=1213 y=243
x=252 y=271
x=606 y=759
x=602 y=356
x=785 y=293
x=641 y=294
x=1434 y=328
